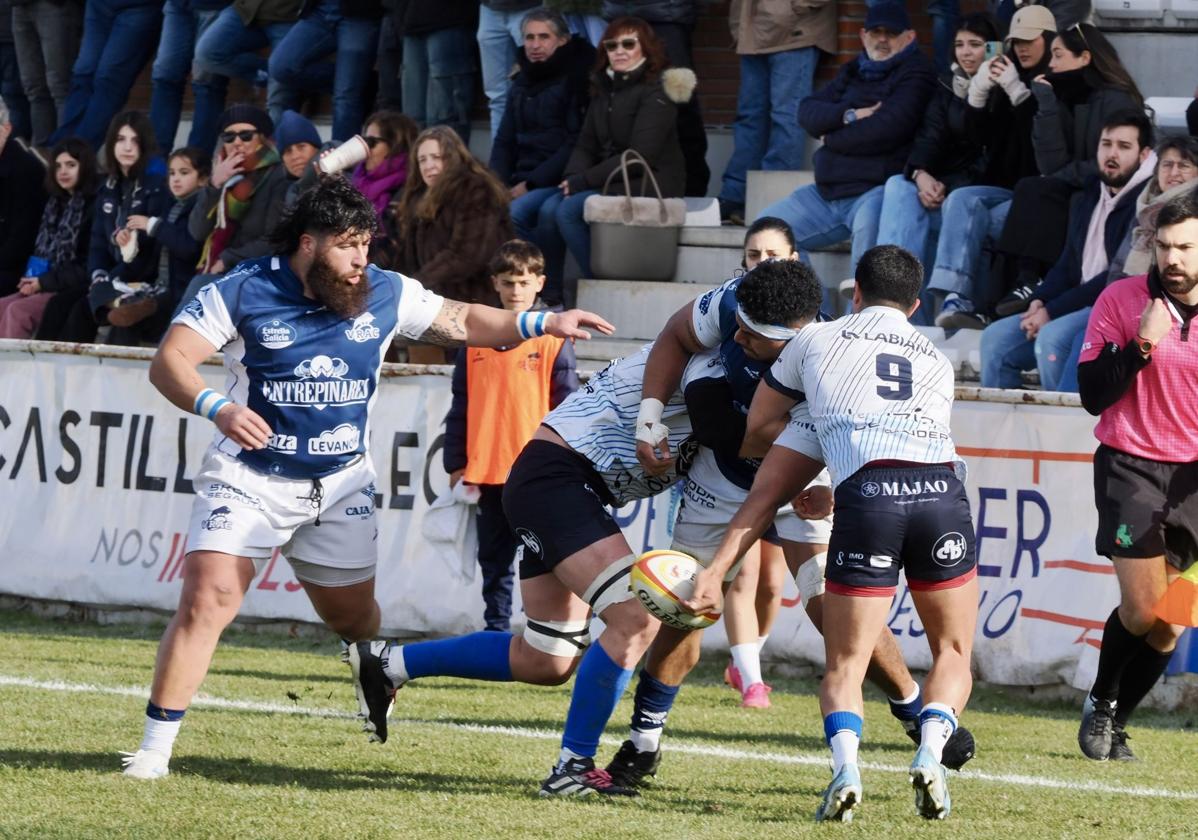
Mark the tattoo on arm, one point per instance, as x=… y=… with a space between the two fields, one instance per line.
x=449 y=328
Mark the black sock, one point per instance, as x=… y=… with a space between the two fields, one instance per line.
x=1118 y=648
x=1139 y=677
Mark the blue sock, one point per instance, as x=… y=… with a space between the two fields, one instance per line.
x=651 y=707
x=843 y=733
x=841 y=721
x=478 y=656
x=158 y=713
x=907 y=710
x=598 y=686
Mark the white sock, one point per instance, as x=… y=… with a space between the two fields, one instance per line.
x=393 y=665
x=567 y=756
x=160 y=735
x=646 y=740
x=747 y=659
x=935 y=729
x=844 y=749
x=761 y=642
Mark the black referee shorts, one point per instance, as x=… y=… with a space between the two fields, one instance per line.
x=1146 y=508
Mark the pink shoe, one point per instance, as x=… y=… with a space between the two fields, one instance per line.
x=732 y=677
x=756 y=696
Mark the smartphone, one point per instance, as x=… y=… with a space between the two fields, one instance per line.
x=993 y=48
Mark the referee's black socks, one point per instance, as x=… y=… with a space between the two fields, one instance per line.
x=1118 y=648
x=1139 y=676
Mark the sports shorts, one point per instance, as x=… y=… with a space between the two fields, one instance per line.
x=557 y=504
x=915 y=517
x=240 y=511
x=1146 y=508
x=710 y=500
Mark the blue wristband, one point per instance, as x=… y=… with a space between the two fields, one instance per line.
x=217 y=406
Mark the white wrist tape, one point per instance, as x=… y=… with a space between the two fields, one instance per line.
x=209 y=402
x=649 y=427
x=531 y=324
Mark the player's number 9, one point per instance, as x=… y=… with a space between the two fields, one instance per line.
x=895 y=371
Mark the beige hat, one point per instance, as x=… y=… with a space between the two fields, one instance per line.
x=1030 y=21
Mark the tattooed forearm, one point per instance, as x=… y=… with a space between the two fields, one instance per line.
x=449 y=329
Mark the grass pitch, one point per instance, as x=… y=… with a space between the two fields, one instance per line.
x=275 y=753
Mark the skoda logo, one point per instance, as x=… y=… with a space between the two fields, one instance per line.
x=870 y=489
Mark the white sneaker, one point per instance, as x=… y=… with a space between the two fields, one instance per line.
x=145 y=764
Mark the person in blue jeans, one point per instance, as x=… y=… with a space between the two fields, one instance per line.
x=500 y=37
x=348 y=30
x=778 y=46
x=1048 y=335
x=946 y=156
x=438 y=62
x=231 y=44
x=867 y=117
x=183 y=22
x=119 y=36
x=541 y=122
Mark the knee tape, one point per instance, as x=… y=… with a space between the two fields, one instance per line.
x=810 y=578
x=611 y=586
x=559 y=638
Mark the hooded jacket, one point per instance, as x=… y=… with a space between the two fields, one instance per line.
x=629 y=111
x=862 y=155
x=546 y=107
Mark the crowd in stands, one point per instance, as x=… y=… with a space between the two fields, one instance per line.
x=1012 y=154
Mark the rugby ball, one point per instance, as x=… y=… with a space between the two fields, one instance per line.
x=661 y=580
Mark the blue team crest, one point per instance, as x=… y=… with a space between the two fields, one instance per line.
x=363 y=329
x=195 y=309
x=276 y=334
x=705 y=302
x=218 y=520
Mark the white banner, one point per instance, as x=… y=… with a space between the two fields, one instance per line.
x=95 y=499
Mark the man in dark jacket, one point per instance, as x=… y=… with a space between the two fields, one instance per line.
x=22 y=198
x=1048 y=334
x=892 y=81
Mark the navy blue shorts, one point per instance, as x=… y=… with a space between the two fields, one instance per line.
x=557 y=504
x=911 y=517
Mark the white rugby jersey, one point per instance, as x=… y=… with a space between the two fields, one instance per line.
x=599 y=422
x=309 y=373
x=877 y=389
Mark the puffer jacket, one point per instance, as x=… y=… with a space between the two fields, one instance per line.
x=944 y=147
x=546 y=106
x=1069 y=122
x=629 y=111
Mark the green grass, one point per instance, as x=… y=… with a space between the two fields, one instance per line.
x=239 y=773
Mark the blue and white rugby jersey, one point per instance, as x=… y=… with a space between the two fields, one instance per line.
x=310 y=374
x=877 y=389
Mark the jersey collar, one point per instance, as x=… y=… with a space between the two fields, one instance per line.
x=884 y=311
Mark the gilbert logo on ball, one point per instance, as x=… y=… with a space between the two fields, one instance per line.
x=661 y=580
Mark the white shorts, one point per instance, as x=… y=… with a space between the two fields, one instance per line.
x=710 y=500
x=248 y=514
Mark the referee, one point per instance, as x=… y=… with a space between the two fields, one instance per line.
x=1138 y=371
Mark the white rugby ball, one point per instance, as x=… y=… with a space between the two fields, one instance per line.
x=661 y=580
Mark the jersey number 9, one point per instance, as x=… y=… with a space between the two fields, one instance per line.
x=895 y=372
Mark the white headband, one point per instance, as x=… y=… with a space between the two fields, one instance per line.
x=770 y=331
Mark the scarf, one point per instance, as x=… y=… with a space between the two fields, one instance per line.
x=58 y=236
x=1071 y=86
x=380 y=185
x=234 y=202
x=872 y=71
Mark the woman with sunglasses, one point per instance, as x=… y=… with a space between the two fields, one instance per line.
x=634 y=105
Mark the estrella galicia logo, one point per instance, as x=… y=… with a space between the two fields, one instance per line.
x=276 y=334
x=705 y=302
x=218 y=520
x=195 y=309
x=950 y=549
x=530 y=539
x=363 y=329
x=870 y=489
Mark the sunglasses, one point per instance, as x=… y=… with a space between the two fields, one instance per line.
x=371 y=142
x=628 y=44
x=1081 y=33
x=244 y=136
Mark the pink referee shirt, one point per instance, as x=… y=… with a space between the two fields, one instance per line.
x=1157 y=417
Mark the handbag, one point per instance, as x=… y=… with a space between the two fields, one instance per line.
x=634 y=238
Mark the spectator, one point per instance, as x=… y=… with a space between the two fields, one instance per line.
x=297 y=142
x=499 y=399
x=390 y=60
x=46 y=34
x=499 y=39
x=1087 y=84
x=232 y=45
x=188 y=170
x=945 y=15
x=945 y=156
x=634 y=105
x=673 y=22
x=123 y=263
x=890 y=78
x=438 y=62
x=119 y=37
x=183 y=22
x=584 y=17
x=389 y=136
x=1048 y=334
x=22 y=197
x=11 y=88
x=777 y=70
x=999 y=115
x=450 y=219
x=347 y=30
x=544 y=115
x=1176 y=171
x=56 y=273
